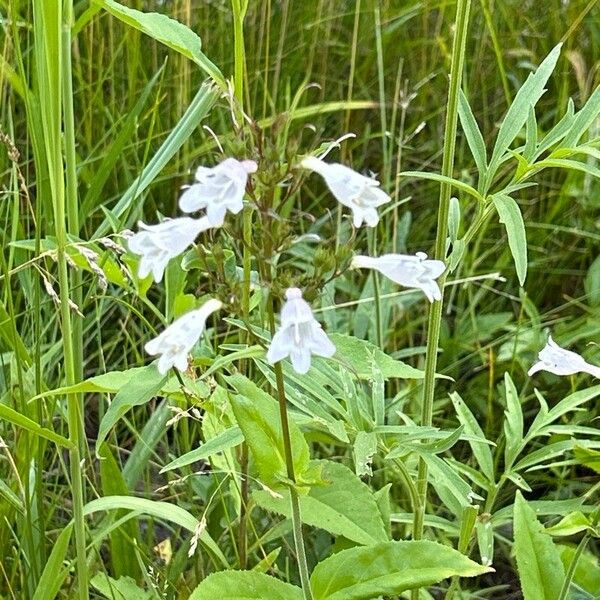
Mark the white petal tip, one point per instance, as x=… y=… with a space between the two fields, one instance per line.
x=293 y=293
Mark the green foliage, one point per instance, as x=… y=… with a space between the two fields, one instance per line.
x=245 y=585
x=341 y=504
x=540 y=569
x=257 y=414
x=173 y=34
x=388 y=569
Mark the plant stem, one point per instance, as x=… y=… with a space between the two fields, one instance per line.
x=435 y=313
x=289 y=464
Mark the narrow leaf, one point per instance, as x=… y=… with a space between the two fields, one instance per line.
x=510 y=215
x=472 y=133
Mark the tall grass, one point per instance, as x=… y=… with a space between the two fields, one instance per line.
x=87 y=102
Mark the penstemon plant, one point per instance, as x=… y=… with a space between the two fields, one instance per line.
x=249 y=356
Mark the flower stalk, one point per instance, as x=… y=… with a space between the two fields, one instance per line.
x=435 y=312
x=289 y=464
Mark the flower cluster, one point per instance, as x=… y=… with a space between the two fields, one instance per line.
x=221 y=189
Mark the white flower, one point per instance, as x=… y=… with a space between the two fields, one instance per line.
x=219 y=189
x=157 y=244
x=359 y=193
x=557 y=360
x=176 y=341
x=300 y=334
x=410 y=271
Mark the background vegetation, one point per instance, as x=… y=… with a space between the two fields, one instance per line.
x=380 y=71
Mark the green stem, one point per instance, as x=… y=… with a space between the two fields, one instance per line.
x=289 y=463
x=66 y=204
x=435 y=313
x=239 y=11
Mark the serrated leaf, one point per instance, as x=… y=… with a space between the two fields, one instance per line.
x=245 y=585
x=510 y=215
x=388 y=569
x=342 y=505
x=357 y=354
x=571 y=524
x=540 y=569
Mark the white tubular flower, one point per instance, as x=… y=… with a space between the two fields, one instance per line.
x=158 y=244
x=410 y=271
x=176 y=341
x=557 y=360
x=362 y=195
x=219 y=189
x=300 y=334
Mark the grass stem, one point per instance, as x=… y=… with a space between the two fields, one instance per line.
x=435 y=312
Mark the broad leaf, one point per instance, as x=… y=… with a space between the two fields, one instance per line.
x=343 y=505
x=540 y=569
x=257 y=414
x=359 y=355
x=167 y=31
x=245 y=585
x=388 y=569
x=510 y=215
x=123 y=588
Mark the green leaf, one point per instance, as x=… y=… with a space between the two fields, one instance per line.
x=587 y=571
x=588 y=457
x=510 y=214
x=123 y=588
x=388 y=569
x=342 y=505
x=540 y=569
x=167 y=31
x=16 y=418
x=359 y=355
x=461 y=185
x=227 y=439
x=54 y=572
x=159 y=510
x=245 y=585
x=257 y=414
x=472 y=133
x=123 y=539
x=481 y=450
x=364 y=448
x=570 y=524
x=527 y=97
x=513 y=425
x=583 y=120
x=143 y=385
